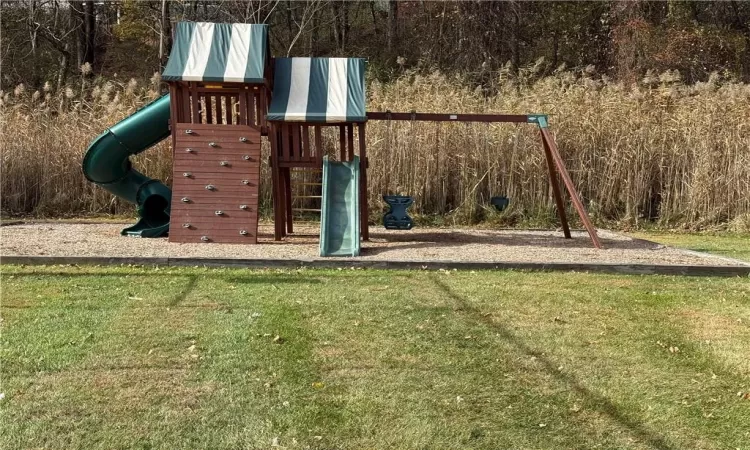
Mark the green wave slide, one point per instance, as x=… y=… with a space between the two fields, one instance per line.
x=107 y=163
x=339 y=222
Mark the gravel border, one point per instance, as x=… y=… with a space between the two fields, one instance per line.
x=422 y=248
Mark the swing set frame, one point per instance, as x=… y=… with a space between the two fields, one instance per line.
x=555 y=163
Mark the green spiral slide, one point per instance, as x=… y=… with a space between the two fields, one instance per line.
x=107 y=163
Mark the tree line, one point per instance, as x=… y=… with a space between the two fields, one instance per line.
x=60 y=41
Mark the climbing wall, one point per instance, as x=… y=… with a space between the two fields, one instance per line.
x=215 y=184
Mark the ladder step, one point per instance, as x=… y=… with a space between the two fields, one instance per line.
x=307 y=196
x=305 y=209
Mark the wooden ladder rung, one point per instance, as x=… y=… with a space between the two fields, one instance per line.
x=306 y=196
x=305 y=209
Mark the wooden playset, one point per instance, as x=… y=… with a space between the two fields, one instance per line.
x=226 y=93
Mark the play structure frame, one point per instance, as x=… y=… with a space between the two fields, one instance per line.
x=299 y=145
x=555 y=163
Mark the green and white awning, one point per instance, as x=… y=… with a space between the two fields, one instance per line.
x=218 y=52
x=318 y=90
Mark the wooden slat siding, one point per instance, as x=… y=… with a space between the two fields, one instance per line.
x=213 y=129
x=173 y=114
x=185 y=235
x=206 y=207
x=229 y=235
x=342 y=142
x=224 y=224
x=224 y=179
x=430 y=117
x=308 y=150
x=229 y=192
x=199 y=131
x=251 y=106
x=296 y=148
x=198 y=142
x=197 y=202
x=232 y=159
x=187 y=111
x=220 y=190
x=197 y=183
x=227 y=107
x=197 y=157
x=230 y=215
x=208 y=164
x=350 y=142
x=216 y=103
x=258 y=106
x=263 y=108
x=201 y=140
x=318 y=144
x=286 y=137
x=229 y=104
x=207 y=210
x=209 y=108
x=224 y=150
x=243 y=119
x=219 y=101
x=364 y=211
x=194 y=104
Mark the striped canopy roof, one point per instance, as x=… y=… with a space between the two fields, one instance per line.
x=318 y=90
x=218 y=52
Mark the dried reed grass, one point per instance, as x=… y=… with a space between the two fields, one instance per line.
x=660 y=151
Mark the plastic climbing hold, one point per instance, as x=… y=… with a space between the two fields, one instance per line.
x=396 y=218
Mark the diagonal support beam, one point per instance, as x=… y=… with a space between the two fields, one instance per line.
x=550 y=147
x=556 y=189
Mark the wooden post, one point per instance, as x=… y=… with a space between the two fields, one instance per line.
x=342 y=142
x=556 y=189
x=276 y=184
x=318 y=146
x=195 y=103
x=550 y=143
x=288 y=198
x=350 y=142
x=364 y=219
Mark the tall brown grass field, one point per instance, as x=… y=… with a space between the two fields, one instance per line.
x=659 y=152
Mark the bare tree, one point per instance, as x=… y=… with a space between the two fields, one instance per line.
x=307 y=22
x=165 y=32
x=392 y=28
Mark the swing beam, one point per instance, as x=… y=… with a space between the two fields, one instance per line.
x=555 y=163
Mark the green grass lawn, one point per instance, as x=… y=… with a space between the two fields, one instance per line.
x=201 y=358
x=732 y=245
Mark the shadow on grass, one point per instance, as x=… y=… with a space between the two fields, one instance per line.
x=259 y=277
x=250 y=279
x=182 y=295
x=603 y=404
